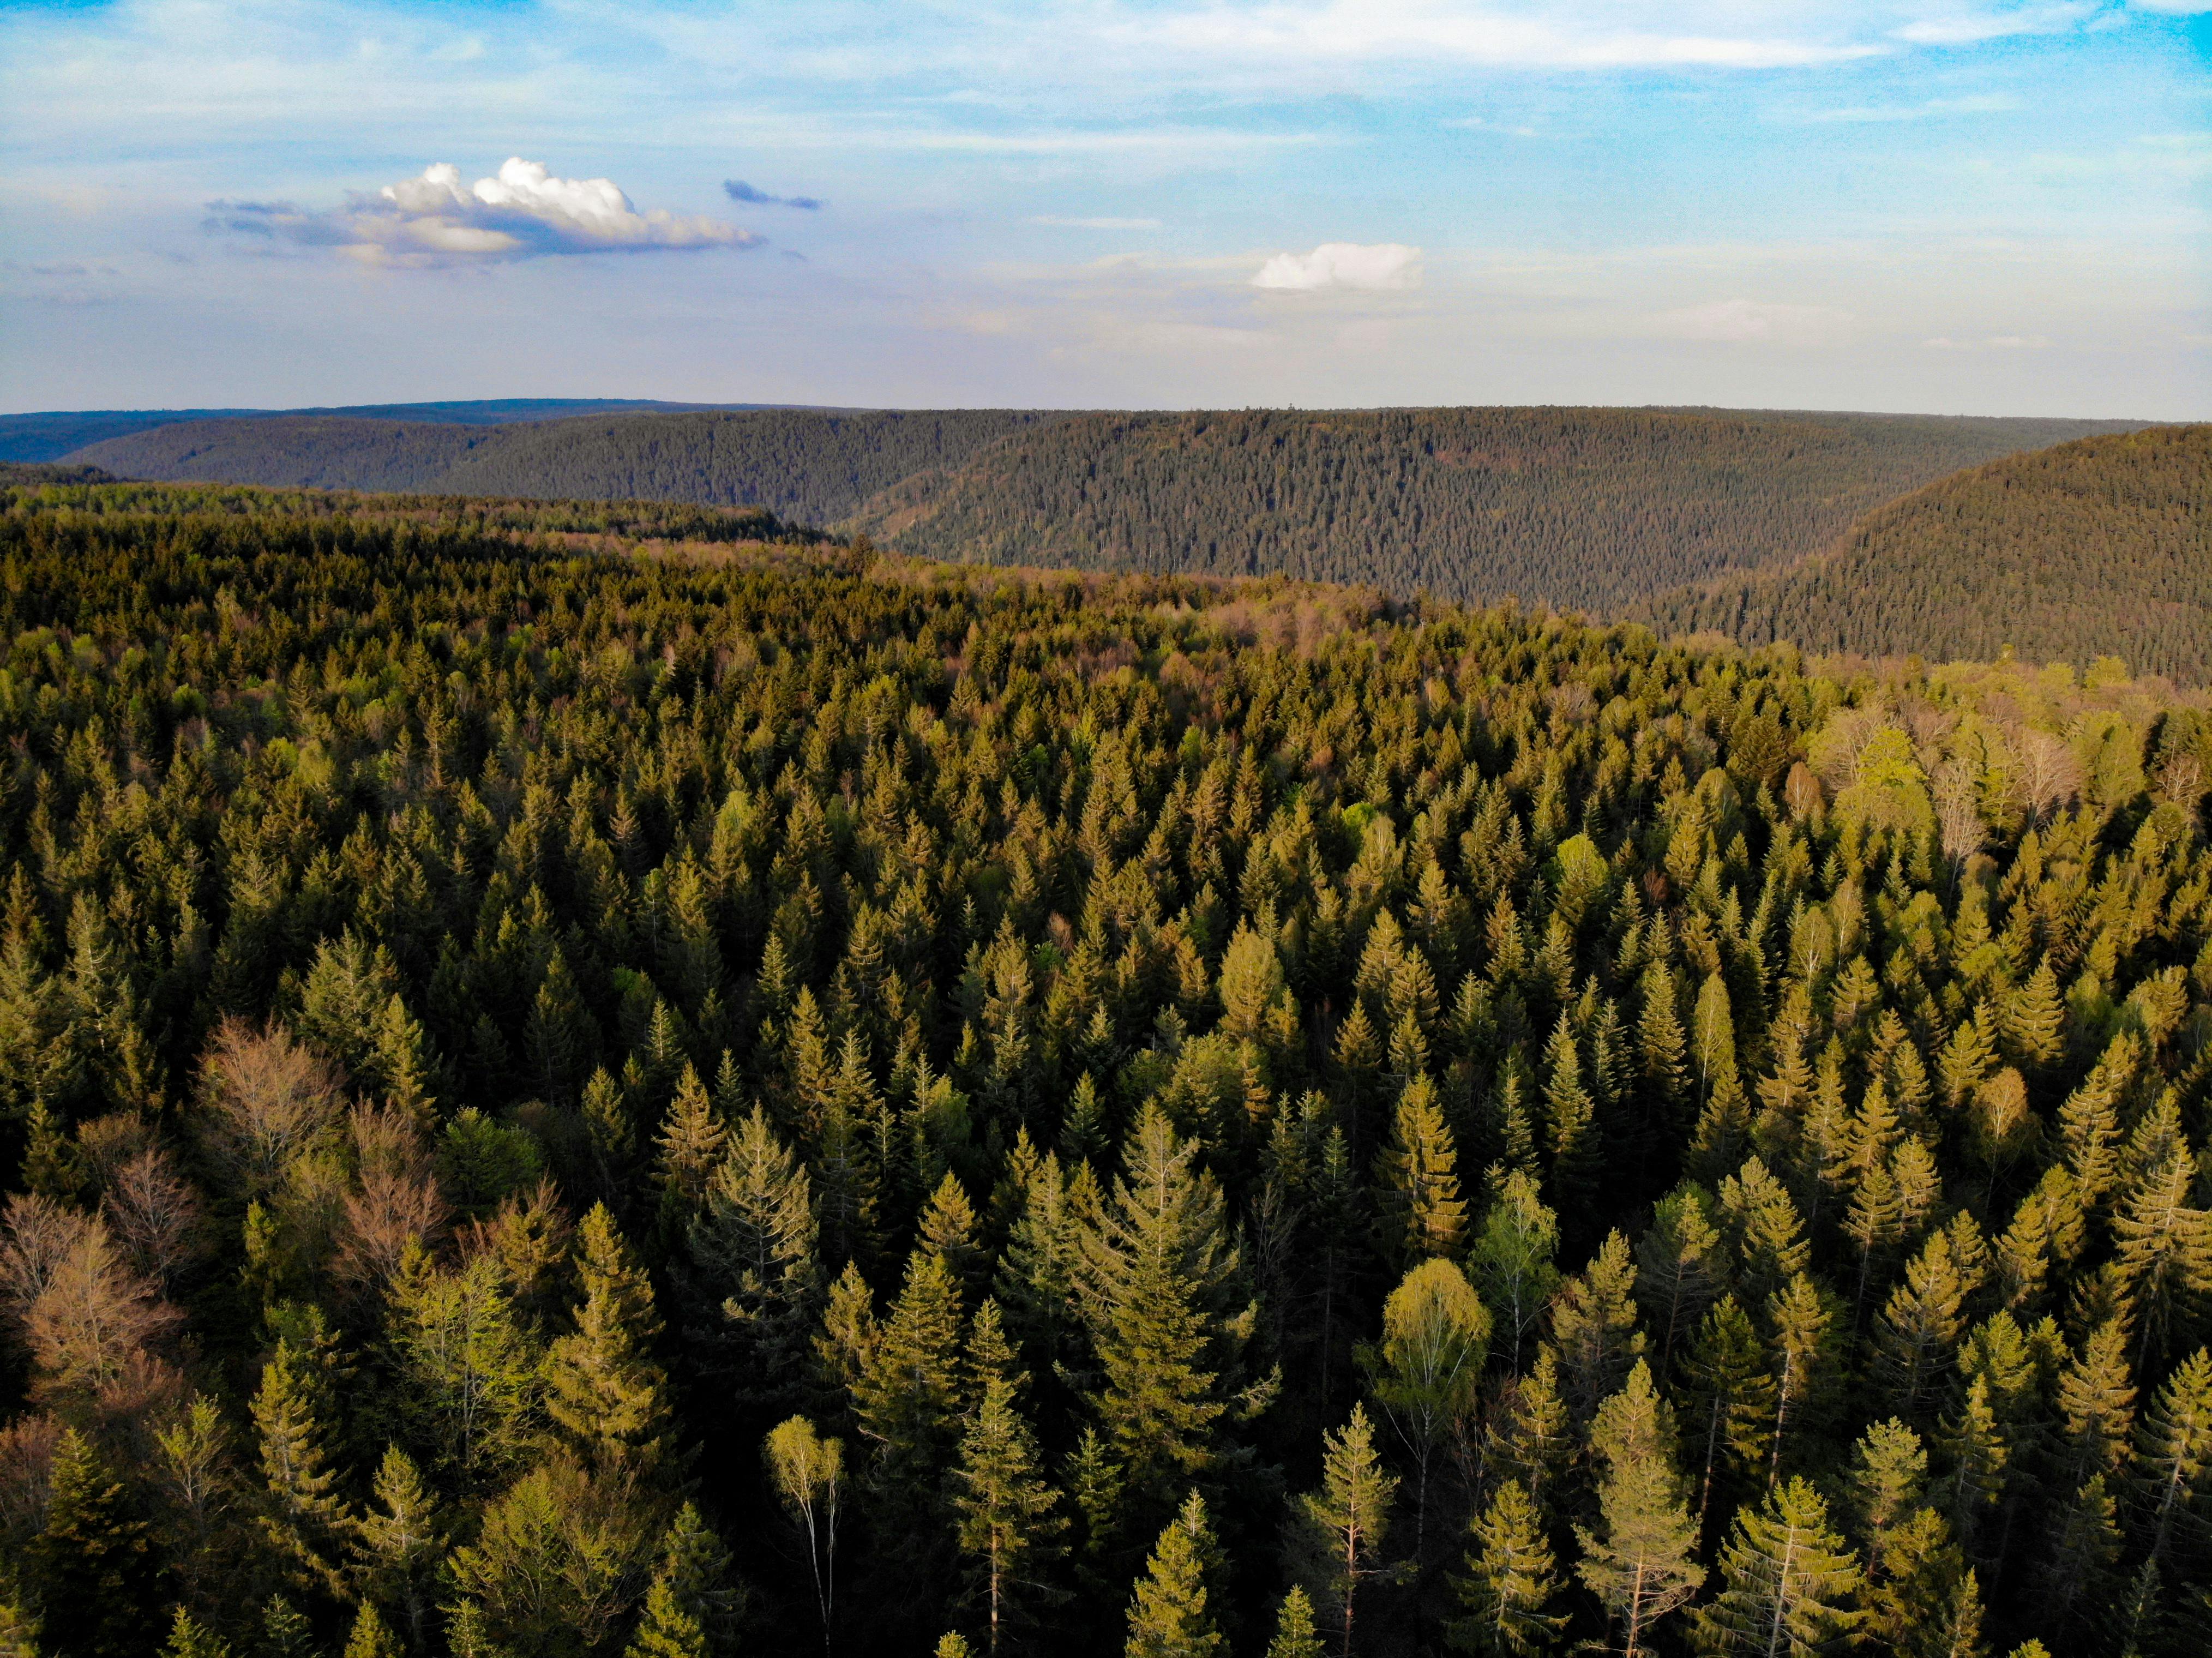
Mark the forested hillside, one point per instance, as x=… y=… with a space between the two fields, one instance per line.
x=1590 y=507
x=567 y=1103
x=49 y=435
x=811 y=466
x=2102 y=546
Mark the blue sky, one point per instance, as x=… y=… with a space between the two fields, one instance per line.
x=1946 y=205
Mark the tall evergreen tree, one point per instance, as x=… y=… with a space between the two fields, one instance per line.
x=1006 y=1523
x=1418 y=1212
x=1170 y=1613
x=1786 y=1582
x=1639 y=1560
x=304 y=1513
x=1511 y=1581
x=92 y=1561
x=1345 y=1523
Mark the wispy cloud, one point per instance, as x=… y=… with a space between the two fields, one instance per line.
x=738 y=190
x=1989 y=343
x=524 y=211
x=1965 y=28
x=1061 y=223
x=1927 y=110
x=1342 y=264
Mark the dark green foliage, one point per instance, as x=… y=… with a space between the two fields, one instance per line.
x=2095 y=548
x=502 y=1028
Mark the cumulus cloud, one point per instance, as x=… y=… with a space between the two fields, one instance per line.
x=524 y=211
x=738 y=190
x=1343 y=264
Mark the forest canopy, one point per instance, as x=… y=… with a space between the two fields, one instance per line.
x=577 y=1083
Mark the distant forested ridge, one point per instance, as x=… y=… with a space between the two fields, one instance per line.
x=813 y=467
x=2100 y=547
x=608 y=1080
x=1587 y=507
x=1590 y=507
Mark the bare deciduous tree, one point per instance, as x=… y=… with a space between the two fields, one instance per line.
x=266 y=1101
x=156 y=1215
x=88 y=1322
x=395 y=1200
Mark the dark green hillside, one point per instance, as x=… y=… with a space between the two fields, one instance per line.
x=1590 y=507
x=567 y=1094
x=813 y=466
x=2098 y=547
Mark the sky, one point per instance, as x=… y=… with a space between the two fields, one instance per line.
x=1947 y=206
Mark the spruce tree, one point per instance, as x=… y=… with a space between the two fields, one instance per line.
x=1295 y=1635
x=399 y=1539
x=371 y=1638
x=607 y=1393
x=2173 y=1462
x=1006 y=1525
x=91 y=1563
x=1731 y=1399
x=1511 y=1582
x=665 y=1629
x=1786 y=1582
x=303 y=1513
x=1594 y=1328
x=1418 y=1212
x=1639 y=1560
x=756 y=1264
x=188 y=1638
x=1170 y=1613
x=1345 y=1523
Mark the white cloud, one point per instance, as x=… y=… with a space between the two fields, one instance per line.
x=1966 y=29
x=1990 y=104
x=521 y=212
x=1990 y=342
x=1343 y=264
x=1742 y=320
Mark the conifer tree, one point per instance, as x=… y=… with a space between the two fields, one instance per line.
x=188 y=1638
x=757 y=1268
x=91 y=1562
x=1786 y=1582
x=1594 y=1328
x=1570 y=1120
x=398 y=1540
x=1419 y=1212
x=1804 y=1323
x=1159 y=1279
x=371 y=1638
x=688 y=1148
x=1678 y=1264
x=2173 y=1461
x=1511 y=1582
x=1295 y=1635
x=1640 y=1560
x=606 y=1393
x=304 y=1516
x=1170 y=1613
x=665 y=1629
x=1345 y=1522
x=1731 y=1398
x=1919 y=1327
x=1005 y=1525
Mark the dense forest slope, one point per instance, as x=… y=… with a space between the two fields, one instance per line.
x=1591 y=507
x=50 y=435
x=567 y=1097
x=814 y=466
x=1576 y=507
x=2098 y=547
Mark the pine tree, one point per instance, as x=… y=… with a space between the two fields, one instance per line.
x=1005 y=1525
x=1427 y=1369
x=1345 y=1522
x=1169 y=1616
x=1418 y=1212
x=303 y=1514
x=606 y=1394
x=91 y=1562
x=1511 y=1581
x=1786 y=1582
x=1640 y=1560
